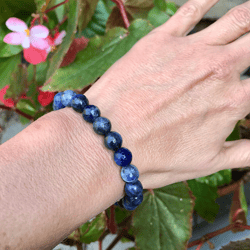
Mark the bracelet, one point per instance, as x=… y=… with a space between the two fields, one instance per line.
x=112 y=140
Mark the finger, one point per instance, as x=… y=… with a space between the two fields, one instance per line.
x=229 y=27
x=235 y=154
x=187 y=16
x=241 y=52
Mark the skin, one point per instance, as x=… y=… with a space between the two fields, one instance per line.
x=173 y=98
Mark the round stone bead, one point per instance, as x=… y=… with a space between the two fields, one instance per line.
x=127 y=204
x=57 y=104
x=67 y=97
x=78 y=102
x=133 y=189
x=123 y=157
x=130 y=173
x=102 y=125
x=113 y=141
x=90 y=113
x=132 y=201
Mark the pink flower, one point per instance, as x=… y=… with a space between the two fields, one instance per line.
x=22 y=35
x=7 y=102
x=55 y=41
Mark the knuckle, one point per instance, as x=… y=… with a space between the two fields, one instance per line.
x=241 y=17
x=220 y=70
x=190 y=9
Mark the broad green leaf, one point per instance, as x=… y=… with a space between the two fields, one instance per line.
x=235 y=135
x=164 y=219
x=87 y=11
x=97 y=25
x=205 y=204
x=41 y=5
x=157 y=17
x=57 y=58
x=101 y=53
x=60 y=11
x=161 y=5
x=7 y=67
x=7 y=50
x=94 y=230
x=243 y=199
x=237 y=245
x=11 y=7
x=26 y=106
x=171 y=8
x=23 y=120
x=217 y=179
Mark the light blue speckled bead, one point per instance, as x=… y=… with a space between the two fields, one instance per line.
x=67 y=97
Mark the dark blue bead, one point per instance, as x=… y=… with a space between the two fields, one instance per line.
x=133 y=189
x=136 y=200
x=130 y=173
x=123 y=157
x=113 y=141
x=67 y=97
x=127 y=204
x=90 y=113
x=57 y=104
x=78 y=102
x=102 y=125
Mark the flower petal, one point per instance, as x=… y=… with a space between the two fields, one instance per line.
x=34 y=56
x=13 y=38
x=58 y=40
x=26 y=42
x=16 y=24
x=39 y=43
x=39 y=31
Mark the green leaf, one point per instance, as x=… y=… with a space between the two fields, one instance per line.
x=101 y=53
x=26 y=106
x=93 y=230
x=205 y=204
x=243 y=199
x=60 y=11
x=97 y=25
x=23 y=120
x=87 y=11
x=11 y=7
x=157 y=17
x=171 y=8
x=160 y=4
x=217 y=179
x=7 y=67
x=41 y=5
x=57 y=58
x=7 y=50
x=164 y=219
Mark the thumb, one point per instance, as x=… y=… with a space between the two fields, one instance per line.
x=235 y=154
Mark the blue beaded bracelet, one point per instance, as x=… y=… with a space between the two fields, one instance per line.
x=112 y=140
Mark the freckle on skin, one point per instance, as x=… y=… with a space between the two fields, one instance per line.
x=7 y=248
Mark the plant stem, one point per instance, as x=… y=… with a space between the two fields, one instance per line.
x=228 y=189
x=200 y=246
x=100 y=244
x=18 y=112
x=121 y=7
x=59 y=24
x=54 y=7
x=116 y=240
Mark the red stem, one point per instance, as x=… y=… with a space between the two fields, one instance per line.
x=121 y=7
x=54 y=7
x=100 y=244
x=18 y=112
x=236 y=214
x=56 y=29
x=200 y=246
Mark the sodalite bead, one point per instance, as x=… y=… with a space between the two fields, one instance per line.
x=113 y=141
x=57 y=104
x=133 y=189
x=102 y=125
x=90 y=113
x=79 y=102
x=130 y=173
x=131 y=202
x=67 y=97
x=123 y=157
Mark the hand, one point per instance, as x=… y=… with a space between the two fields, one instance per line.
x=175 y=98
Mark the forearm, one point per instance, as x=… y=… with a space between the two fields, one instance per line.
x=43 y=198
